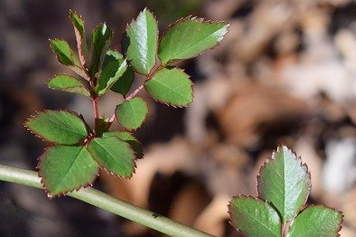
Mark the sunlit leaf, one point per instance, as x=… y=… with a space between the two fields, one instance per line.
x=64 y=53
x=79 y=29
x=101 y=38
x=60 y=127
x=109 y=75
x=66 y=56
x=254 y=218
x=189 y=37
x=114 y=155
x=130 y=139
x=142 y=36
x=171 y=86
x=316 y=221
x=66 y=168
x=284 y=182
x=68 y=83
x=132 y=113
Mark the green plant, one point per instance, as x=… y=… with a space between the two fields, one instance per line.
x=79 y=151
x=283 y=186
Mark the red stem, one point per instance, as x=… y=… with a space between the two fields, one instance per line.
x=135 y=92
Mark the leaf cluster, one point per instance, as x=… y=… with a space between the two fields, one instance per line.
x=283 y=186
x=79 y=151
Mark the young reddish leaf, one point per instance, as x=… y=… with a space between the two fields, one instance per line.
x=171 y=86
x=132 y=113
x=142 y=35
x=67 y=57
x=66 y=168
x=79 y=29
x=284 y=182
x=130 y=139
x=101 y=38
x=254 y=218
x=58 y=126
x=109 y=75
x=68 y=83
x=316 y=221
x=189 y=37
x=114 y=155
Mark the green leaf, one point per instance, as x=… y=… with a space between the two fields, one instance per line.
x=254 y=218
x=66 y=56
x=114 y=155
x=123 y=85
x=130 y=139
x=64 y=53
x=101 y=38
x=79 y=30
x=316 y=221
x=132 y=113
x=189 y=37
x=60 y=127
x=68 y=83
x=66 y=168
x=112 y=56
x=142 y=35
x=171 y=86
x=284 y=182
x=109 y=75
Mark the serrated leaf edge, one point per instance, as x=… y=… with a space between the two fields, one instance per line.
x=81 y=56
x=231 y=217
x=111 y=173
x=132 y=129
x=197 y=19
x=157 y=42
x=170 y=104
x=32 y=116
x=62 y=194
x=66 y=74
x=326 y=207
x=135 y=139
x=270 y=159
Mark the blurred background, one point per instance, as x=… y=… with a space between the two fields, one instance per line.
x=285 y=74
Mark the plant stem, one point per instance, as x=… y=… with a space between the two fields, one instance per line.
x=108 y=203
x=135 y=92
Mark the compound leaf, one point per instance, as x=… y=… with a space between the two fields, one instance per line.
x=66 y=168
x=316 y=221
x=68 y=83
x=132 y=113
x=60 y=127
x=171 y=86
x=101 y=38
x=284 y=182
x=254 y=218
x=114 y=155
x=110 y=74
x=130 y=139
x=79 y=30
x=189 y=37
x=142 y=36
